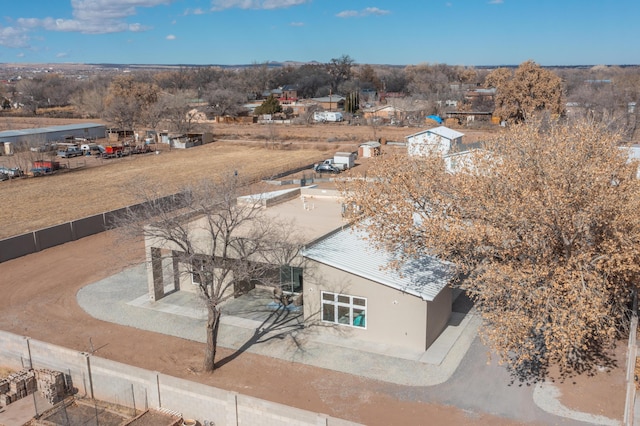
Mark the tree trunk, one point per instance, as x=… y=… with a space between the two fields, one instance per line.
x=213 y=322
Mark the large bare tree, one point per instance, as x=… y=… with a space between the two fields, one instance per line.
x=542 y=223
x=128 y=100
x=224 y=246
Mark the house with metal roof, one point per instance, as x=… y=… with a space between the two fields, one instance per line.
x=440 y=139
x=330 y=103
x=351 y=286
x=342 y=281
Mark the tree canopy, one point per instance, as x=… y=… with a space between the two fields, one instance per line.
x=525 y=91
x=542 y=224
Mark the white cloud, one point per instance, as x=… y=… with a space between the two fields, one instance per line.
x=13 y=37
x=196 y=11
x=297 y=24
x=364 y=12
x=170 y=37
x=217 y=5
x=95 y=17
x=347 y=14
x=496 y=1
x=62 y=55
x=20 y=55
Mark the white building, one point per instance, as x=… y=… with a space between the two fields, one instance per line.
x=439 y=139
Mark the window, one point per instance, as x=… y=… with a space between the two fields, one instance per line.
x=199 y=271
x=344 y=309
x=291 y=279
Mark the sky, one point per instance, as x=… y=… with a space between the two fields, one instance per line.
x=394 y=32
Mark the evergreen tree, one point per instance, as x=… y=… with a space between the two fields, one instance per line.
x=271 y=105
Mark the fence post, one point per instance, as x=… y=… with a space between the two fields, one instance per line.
x=87 y=357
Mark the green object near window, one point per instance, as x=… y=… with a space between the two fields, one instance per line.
x=343 y=309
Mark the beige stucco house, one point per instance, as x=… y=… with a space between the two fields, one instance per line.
x=350 y=286
x=343 y=281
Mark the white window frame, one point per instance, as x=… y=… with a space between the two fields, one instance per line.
x=339 y=304
x=195 y=273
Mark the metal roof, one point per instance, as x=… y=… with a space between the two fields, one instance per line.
x=64 y=128
x=349 y=250
x=443 y=131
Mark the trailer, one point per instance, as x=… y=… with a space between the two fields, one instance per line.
x=327 y=116
x=45 y=167
x=344 y=160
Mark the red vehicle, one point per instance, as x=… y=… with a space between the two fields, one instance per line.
x=41 y=167
x=112 y=151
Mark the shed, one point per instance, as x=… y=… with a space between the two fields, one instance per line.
x=369 y=149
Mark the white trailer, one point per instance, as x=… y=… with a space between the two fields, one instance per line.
x=323 y=116
x=344 y=160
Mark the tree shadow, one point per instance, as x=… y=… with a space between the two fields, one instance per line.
x=282 y=322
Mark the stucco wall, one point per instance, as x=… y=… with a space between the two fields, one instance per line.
x=393 y=317
x=438 y=313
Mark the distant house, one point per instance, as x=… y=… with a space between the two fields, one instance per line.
x=439 y=139
x=385 y=112
x=289 y=94
x=330 y=103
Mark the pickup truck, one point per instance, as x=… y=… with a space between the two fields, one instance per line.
x=70 y=153
x=329 y=166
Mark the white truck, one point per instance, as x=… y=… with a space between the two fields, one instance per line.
x=327 y=116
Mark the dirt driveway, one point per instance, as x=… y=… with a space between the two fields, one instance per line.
x=39 y=300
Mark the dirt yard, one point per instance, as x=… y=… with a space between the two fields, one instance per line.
x=38 y=292
x=90 y=186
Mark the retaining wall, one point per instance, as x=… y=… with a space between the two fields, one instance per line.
x=138 y=388
x=32 y=242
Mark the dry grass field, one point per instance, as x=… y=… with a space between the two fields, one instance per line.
x=92 y=186
x=34 y=203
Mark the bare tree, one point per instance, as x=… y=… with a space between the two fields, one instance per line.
x=128 y=101
x=340 y=70
x=89 y=99
x=224 y=245
x=224 y=102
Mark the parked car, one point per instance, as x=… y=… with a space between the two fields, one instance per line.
x=326 y=168
x=13 y=172
x=70 y=152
